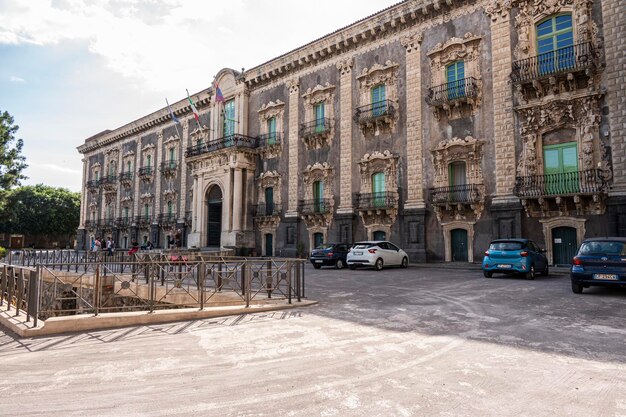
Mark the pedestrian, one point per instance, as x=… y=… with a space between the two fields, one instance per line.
x=97 y=245
x=178 y=238
x=149 y=245
x=134 y=247
x=109 y=247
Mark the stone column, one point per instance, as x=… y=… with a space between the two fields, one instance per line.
x=237 y=200
x=183 y=174
x=157 y=176
x=503 y=133
x=414 y=137
x=136 y=179
x=345 y=136
x=293 y=140
x=119 y=187
x=614 y=22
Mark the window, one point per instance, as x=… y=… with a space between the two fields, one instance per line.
x=560 y=166
x=126 y=212
x=318 y=196
x=229 y=118
x=128 y=167
x=172 y=158
x=271 y=131
x=148 y=163
x=269 y=201
x=555 y=44
x=378 y=100
x=455 y=79
x=112 y=169
x=97 y=174
x=319 y=117
x=170 y=209
x=318 y=239
x=457 y=178
x=380 y=235
x=146 y=210
x=378 y=189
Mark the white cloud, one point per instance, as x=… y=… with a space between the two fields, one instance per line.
x=16 y=79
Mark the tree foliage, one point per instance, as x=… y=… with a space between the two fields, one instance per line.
x=39 y=209
x=12 y=162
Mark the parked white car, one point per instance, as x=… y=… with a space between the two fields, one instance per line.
x=378 y=254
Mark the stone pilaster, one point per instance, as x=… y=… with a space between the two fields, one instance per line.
x=345 y=136
x=614 y=28
x=237 y=199
x=414 y=137
x=184 y=142
x=503 y=133
x=292 y=202
x=136 y=179
x=119 y=188
x=157 y=176
x=84 y=195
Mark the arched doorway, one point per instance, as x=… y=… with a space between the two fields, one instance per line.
x=318 y=239
x=214 y=216
x=379 y=235
x=564 y=245
x=458 y=242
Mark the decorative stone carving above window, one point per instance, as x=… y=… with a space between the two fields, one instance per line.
x=453 y=97
x=374 y=118
x=378 y=210
x=318 y=133
x=385 y=162
x=170 y=195
x=459 y=201
x=318 y=212
x=146 y=198
x=267 y=215
x=271 y=143
x=171 y=142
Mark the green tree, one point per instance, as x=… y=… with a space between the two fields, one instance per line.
x=39 y=209
x=12 y=162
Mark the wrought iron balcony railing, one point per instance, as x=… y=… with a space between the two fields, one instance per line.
x=91 y=224
x=371 y=112
x=267 y=209
x=143 y=220
x=384 y=200
x=315 y=127
x=106 y=222
x=568 y=183
x=93 y=184
x=108 y=179
x=123 y=221
x=568 y=59
x=459 y=90
x=315 y=206
x=231 y=141
x=454 y=194
x=167 y=219
x=126 y=176
x=168 y=167
x=145 y=171
x=270 y=139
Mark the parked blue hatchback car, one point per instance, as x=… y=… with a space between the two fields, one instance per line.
x=331 y=254
x=599 y=262
x=515 y=256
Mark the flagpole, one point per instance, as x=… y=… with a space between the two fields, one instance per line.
x=175 y=121
x=192 y=108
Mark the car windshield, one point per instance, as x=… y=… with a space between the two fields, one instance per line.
x=324 y=246
x=506 y=246
x=603 y=248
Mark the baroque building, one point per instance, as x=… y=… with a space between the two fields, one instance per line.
x=436 y=124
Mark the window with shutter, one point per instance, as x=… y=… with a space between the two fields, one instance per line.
x=378 y=100
x=555 y=44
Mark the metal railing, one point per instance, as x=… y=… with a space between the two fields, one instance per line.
x=464 y=193
x=126 y=176
x=92 y=184
x=148 y=170
x=231 y=141
x=315 y=206
x=108 y=179
x=383 y=200
x=568 y=59
x=168 y=166
x=123 y=221
x=315 y=127
x=267 y=209
x=270 y=139
x=373 y=111
x=79 y=282
x=579 y=182
x=143 y=220
x=91 y=224
x=452 y=91
x=106 y=222
x=168 y=219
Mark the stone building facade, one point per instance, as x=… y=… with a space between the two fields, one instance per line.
x=436 y=124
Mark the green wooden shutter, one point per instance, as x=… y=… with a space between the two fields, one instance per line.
x=455 y=78
x=560 y=167
x=269 y=201
x=319 y=117
x=318 y=196
x=378 y=100
x=378 y=189
x=271 y=131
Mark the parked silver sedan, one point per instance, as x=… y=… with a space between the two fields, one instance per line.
x=378 y=253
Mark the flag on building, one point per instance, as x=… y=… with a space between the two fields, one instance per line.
x=219 y=97
x=193 y=108
x=174 y=118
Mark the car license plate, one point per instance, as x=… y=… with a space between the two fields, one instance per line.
x=504 y=266
x=318 y=262
x=610 y=277
x=358 y=253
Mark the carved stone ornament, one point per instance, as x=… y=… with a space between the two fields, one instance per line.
x=170 y=195
x=386 y=74
x=200 y=133
x=171 y=142
x=318 y=135
x=270 y=179
x=293 y=85
x=109 y=197
x=146 y=197
x=498 y=10
x=412 y=42
x=377 y=217
x=319 y=172
x=345 y=66
x=384 y=118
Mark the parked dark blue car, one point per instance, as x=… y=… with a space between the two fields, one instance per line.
x=331 y=254
x=599 y=262
x=515 y=256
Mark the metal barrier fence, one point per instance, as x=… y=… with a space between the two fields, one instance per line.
x=147 y=282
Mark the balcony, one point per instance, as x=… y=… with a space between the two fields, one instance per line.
x=92 y=185
x=91 y=224
x=106 y=223
x=143 y=220
x=377 y=201
x=126 y=179
x=561 y=61
x=316 y=133
x=315 y=206
x=270 y=139
x=167 y=220
x=146 y=173
x=376 y=116
x=108 y=182
x=123 y=222
x=455 y=194
x=168 y=168
x=227 y=142
x=455 y=91
x=267 y=209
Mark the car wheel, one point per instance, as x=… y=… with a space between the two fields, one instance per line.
x=531 y=272
x=352 y=267
x=405 y=262
x=546 y=271
x=316 y=266
x=339 y=264
x=577 y=288
x=487 y=274
x=379 y=264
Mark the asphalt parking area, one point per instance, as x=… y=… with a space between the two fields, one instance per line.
x=421 y=341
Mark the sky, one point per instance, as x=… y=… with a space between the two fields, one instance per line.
x=70 y=69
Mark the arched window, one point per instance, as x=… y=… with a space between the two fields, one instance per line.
x=378 y=100
x=555 y=43
x=318 y=197
x=378 y=189
x=455 y=79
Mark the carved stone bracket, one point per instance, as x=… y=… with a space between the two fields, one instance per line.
x=412 y=42
x=498 y=10
x=345 y=66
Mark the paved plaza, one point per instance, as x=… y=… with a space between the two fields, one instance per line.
x=425 y=341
